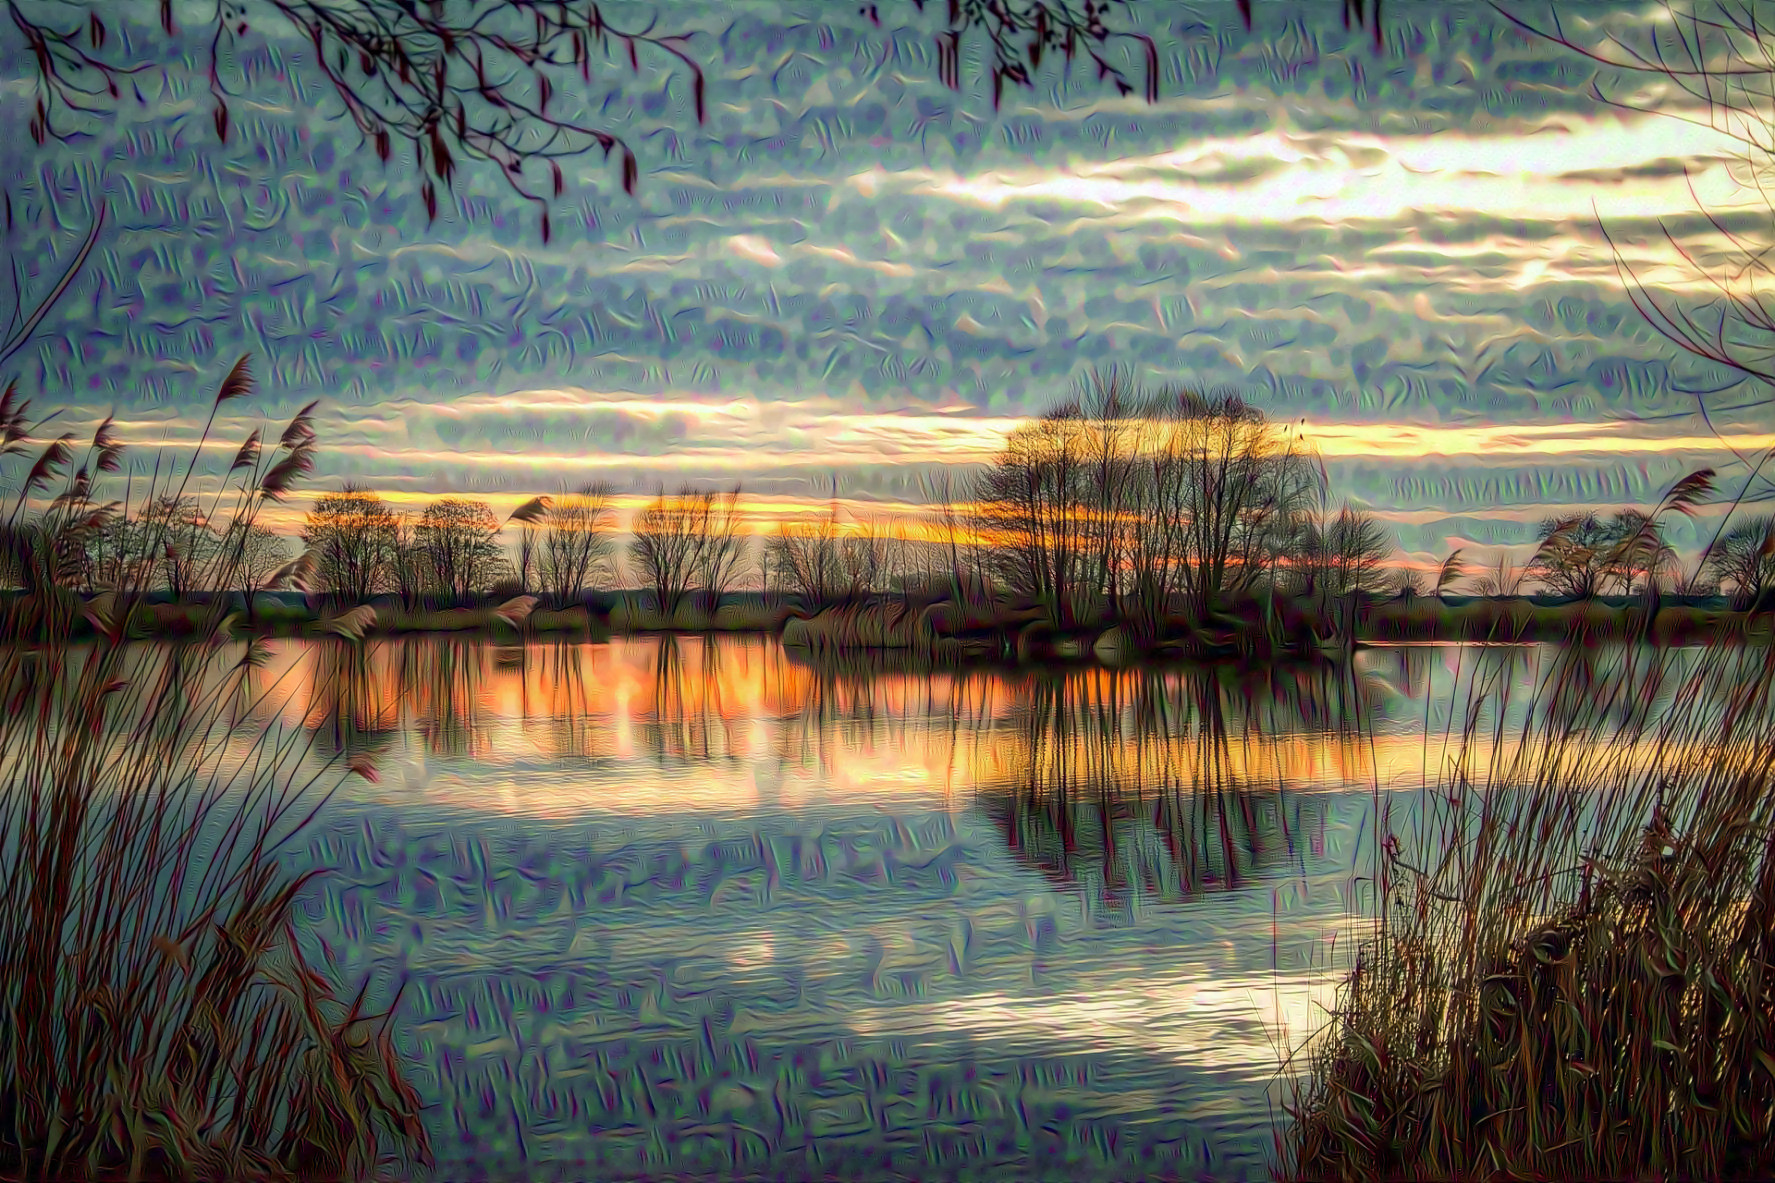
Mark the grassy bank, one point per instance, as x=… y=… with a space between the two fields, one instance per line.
x=945 y=630
x=1528 y=620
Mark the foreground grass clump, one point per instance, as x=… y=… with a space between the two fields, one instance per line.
x=158 y=1017
x=1572 y=970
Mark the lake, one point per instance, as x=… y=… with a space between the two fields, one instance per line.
x=693 y=908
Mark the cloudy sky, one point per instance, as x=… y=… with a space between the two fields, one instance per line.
x=850 y=272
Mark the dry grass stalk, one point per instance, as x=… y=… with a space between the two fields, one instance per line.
x=1573 y=974
x=158 y=1019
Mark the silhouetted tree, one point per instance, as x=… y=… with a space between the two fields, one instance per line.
x=667 y=540
x=1641 y=554
x=1349 y=553
x=351 y=535
x=178 y=535
x=459 y=539
x=1744 y=559
x=825 y=562
x=256 y=555
x=1575 y=557
x=1176 y=497
x=723 y=551
x=576 y=545
x=408 y=569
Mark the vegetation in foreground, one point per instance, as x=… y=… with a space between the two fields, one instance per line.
x=1570 y=970
x=158 y=1018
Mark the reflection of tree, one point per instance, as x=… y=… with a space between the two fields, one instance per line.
x=350 y=711
x=689 y=715
x=1135 y=781
x=840 y=700
x=445 y=677
x=566 y=718
x=1406 y=667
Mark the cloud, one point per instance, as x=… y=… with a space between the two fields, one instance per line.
x=1290 y=176
x=846 y=246
x=750 y=246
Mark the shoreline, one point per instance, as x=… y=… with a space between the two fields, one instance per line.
x=939 y=631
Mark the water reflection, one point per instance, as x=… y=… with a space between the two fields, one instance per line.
x=676 y=907
x=1169 y=784
x=1159 y=784
x=690 y=907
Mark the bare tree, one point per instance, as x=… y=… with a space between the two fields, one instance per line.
x=1575 y=556
x=1721 y=54
x=1355 y=547
x=1583 y=555
x=1641 y=554
x=723 y=552
x=255 y=554
x=460 y=541
x=963 y=570
x=351 y=534
x=1350 y=551
x=1107 y=403
x=408 y=570
x=826 y=562
x=1172 y=497
x=801 y=561
x=668 y=538
x=576 y=545
x=1244 y=477
x=1029 y=501
x=178 y=534
x=1407 y=583
x=118 y=554
x=1744 y=558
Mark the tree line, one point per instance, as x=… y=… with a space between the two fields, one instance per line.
x=1150 y=508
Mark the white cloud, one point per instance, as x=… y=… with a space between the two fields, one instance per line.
x=1356 y=176
x=750 y=246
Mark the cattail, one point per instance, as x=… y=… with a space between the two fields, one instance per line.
x=104 y=442
x=532 y=511
x=284 y=474
x=301 y=428
x=237 y=384
x=352 y=624
x=248 y=456
x=49 y=460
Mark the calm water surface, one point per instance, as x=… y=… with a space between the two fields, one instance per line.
x=693 y=909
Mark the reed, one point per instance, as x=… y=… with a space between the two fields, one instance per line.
x=158 y=1016
x=1571 y=968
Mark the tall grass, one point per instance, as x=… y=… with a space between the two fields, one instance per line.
x=1572 y=969
x=158 y=1018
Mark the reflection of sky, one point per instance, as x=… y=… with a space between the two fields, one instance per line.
x=643 y=719
x=850 y=268
x=660 y=909
x=857 y=988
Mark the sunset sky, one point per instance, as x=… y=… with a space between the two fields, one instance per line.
x=849 y=270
